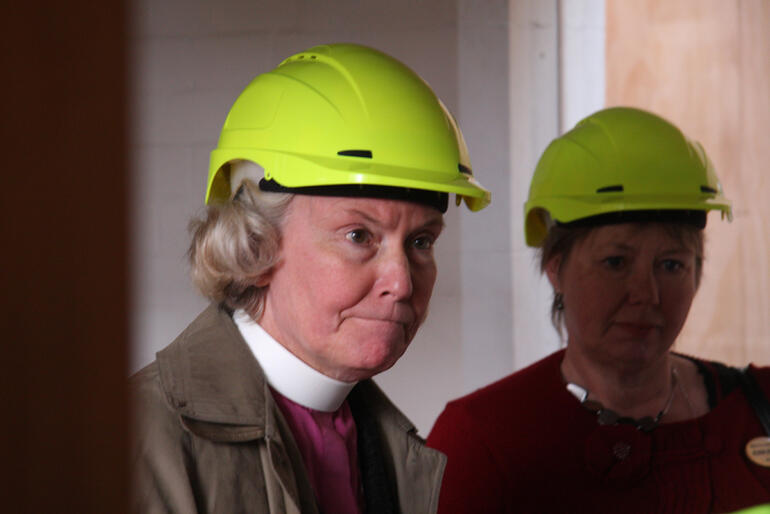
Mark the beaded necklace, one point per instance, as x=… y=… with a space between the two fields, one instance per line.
x=607 y=416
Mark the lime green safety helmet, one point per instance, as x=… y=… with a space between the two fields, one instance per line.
x=621 y=164
x=757 y=509
x=349 y=117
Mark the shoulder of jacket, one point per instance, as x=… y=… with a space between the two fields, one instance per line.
x=149 y=401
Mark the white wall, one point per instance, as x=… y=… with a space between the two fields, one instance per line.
x=581 y=61
x=556 y=71
x=495 y=65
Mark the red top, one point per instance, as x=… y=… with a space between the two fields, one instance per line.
x=525 y=444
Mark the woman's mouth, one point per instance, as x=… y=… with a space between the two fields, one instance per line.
x=636 y=329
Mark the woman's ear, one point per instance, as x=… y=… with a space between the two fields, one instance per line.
x=552 y=268
x=264 y=279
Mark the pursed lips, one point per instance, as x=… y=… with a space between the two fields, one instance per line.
x=405 y=318
x=399 y=313
x=402 y=321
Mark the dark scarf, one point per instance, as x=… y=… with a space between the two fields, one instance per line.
x=378 y=489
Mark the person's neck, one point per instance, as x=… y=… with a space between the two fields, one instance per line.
x=629 y=390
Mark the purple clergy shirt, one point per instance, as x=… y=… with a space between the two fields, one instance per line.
x=329 y=448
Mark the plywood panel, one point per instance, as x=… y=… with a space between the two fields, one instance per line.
x=705 y=65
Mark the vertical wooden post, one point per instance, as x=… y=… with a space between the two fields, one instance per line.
x=64 y=279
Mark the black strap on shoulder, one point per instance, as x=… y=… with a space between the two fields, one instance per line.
x=730 y=377
x=756 y=398
x=377 y=487
x=709 y=380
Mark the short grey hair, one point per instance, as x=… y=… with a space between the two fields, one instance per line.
x=236 y=244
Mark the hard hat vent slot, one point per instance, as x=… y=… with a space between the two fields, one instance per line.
x=610 y=189
x=464 y=169
x=707 y=189
x=356 y=153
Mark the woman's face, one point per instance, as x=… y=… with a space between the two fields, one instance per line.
x=353 y=282
x=627 y=291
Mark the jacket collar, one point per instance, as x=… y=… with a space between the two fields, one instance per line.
x=209 y=375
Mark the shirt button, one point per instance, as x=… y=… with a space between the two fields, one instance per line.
x=621 y=450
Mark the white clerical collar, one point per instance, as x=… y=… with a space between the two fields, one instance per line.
x=289 y=375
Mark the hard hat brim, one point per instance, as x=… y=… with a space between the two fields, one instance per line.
x=331 y=171
x=539 y=214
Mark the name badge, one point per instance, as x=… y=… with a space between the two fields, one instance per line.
x=758 y=451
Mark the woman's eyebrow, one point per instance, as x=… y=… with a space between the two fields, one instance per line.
x=677 y=249
x=616 y=246
x=437 y=221
x=674 y=248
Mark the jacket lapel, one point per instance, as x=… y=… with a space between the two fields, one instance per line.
x=413 y=470
x=213 y=380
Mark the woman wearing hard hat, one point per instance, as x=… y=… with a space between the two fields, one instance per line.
x=326 y=194
x=616 y=421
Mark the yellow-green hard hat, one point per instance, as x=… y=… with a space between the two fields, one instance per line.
x=620 y=160
x=757 y=509
x=344 y=114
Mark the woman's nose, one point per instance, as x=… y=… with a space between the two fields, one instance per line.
x=643 y=287
x=395 y=275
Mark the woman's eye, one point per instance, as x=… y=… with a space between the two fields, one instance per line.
x=423 y=243
x=614 y=262
x=672 y=265
x=359 y=236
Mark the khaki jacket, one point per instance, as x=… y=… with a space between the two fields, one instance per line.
x=208 y=436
